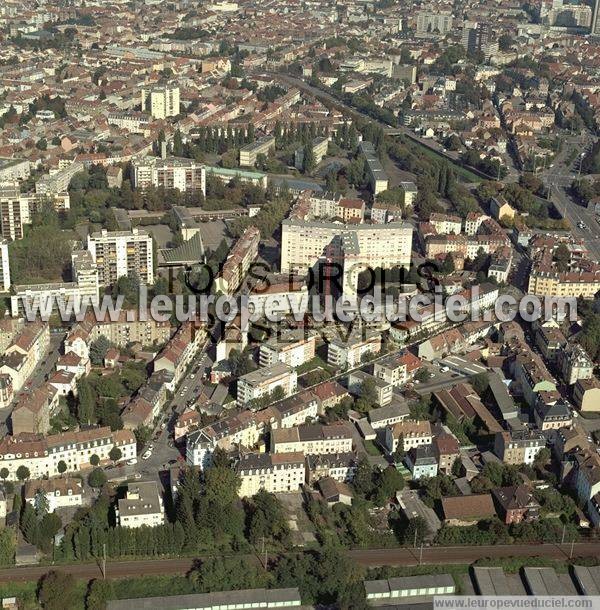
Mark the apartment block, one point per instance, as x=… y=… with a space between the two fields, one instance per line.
x=13 y=170
x=397 y=369
x=294 y=348
x=433 y=24
x=14 y=213
x=383 y=389
x=378 y=178
x=171 y=173
x=122 y=253
x=142 y=505
x=249 y=153
x=65 y=492
x=312 y=439
x=240 y=257
x=264 y=381
x=24 y=353
x=41 y=455
x=350 y=352
x=575 y=364
x=4 y=266
x=319 y=150
x=275 y=473
x=519 y=446
x=340 y=467
x=411 y=433
x=161 y=102
x=355 y=246
x=58 y=181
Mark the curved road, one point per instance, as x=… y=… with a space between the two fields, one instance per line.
x=366 y=557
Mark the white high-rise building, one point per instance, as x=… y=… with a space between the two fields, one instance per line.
x=4 y=266
x=161 y=102
x=122 y=253
x=171 y=173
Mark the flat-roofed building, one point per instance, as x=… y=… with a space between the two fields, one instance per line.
x=13 y=169
x=172 y=173
x=294 y=348
x=587 y=579
x=378 y=178
x=122 y=254
x=264 y=381
x=161 y=102
x=249 y=153
x=386 y=592
x=239 y=259
x=4 y=266
x=383 y=390
x=274 y=599
x=544 y=581
x=351 y=351
x=491 y=581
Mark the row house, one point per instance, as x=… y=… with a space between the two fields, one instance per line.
x=42 y=455
x=411 y=433
x=176 y=356
x=274 y=473
x=313 y=439
x=518 y=446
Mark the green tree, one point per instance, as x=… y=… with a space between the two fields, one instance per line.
x=98 y=593
x=562 y=258
x=4 y=472
x=23 y=473
x=57 y=591
x=86 y=402
x=98 y=349
x=94 y=460
x=61 y=467
x=308 y=161
x=97 y=478
x=7 y=547
x=115 y=454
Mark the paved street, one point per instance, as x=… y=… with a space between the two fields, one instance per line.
x=41 y=373
x=558 y=179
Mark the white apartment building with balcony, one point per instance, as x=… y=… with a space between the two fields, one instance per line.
x=122 y=253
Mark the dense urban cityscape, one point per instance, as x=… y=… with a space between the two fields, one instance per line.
x=299 y=302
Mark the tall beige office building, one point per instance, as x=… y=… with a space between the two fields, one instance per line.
x=161 y=102
x=122 y=253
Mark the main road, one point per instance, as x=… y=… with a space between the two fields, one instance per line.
x=365 y=557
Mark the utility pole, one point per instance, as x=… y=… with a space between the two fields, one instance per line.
x=104 y=561
x=572 y=547
x=562 y=541
x=415 y=540
x=421 y=554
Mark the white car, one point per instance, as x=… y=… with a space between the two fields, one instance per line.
x=444 y=369
x=146 y=454
x=131 y=462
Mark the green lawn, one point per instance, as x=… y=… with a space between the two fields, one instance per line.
x=371 y=448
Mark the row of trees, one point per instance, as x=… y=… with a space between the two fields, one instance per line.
x=324 y=577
